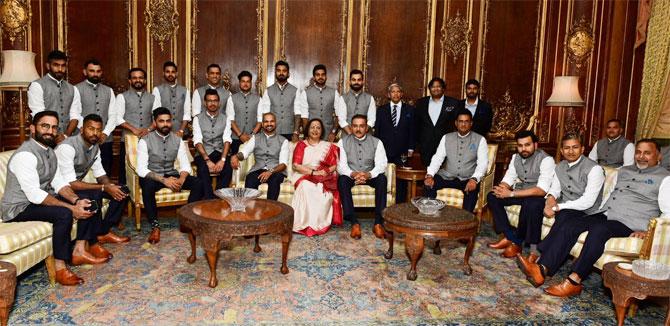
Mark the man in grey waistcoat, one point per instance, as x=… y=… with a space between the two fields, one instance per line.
x=525 y=183
x=245 y=123
x=665 y=154
x=323 y=102
x=460 y=162
x=641 y=192
x=211 y=137
x=358 y=102
x=53 y=92
x=98 y=98
x=133 y=112
x=175 y=97
x=35 y=191
x=213 y=82
x=271 y=156
x=280 y=99
x=157 y=153
x=614 y=150
x=76 y=156
x=362 y=162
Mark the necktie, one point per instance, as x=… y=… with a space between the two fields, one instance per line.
x=394 y=115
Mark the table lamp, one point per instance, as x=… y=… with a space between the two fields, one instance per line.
x=565 y=93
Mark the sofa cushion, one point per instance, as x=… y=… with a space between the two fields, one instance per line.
x=14 y=236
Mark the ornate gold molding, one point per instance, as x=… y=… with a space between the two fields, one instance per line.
x=456 y=36
x=193 y=53
x=343 y=45
x=15 y=18
x=226 y=80
x=429 y=46
x=162 y=20
x=364 y=39
x=261 y=45
x=579 y=42
x=510 y=117
x=280 y=30
x=538 y=66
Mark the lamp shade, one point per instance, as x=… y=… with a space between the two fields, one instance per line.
x=18 y=68
x=565 y=92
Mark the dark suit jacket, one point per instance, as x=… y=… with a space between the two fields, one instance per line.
x=483 y=119
x=399 y=139
x=429 y=135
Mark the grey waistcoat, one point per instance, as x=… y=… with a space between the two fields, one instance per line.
x=574 y=180
x=57 y=98
x=223 y=97
x=357 y=104
x=83 y=157
x=321 y=105
x=138 y=109
x=281 y=104
x=611 y=153
x=14 y=200
x=246 y=109
x=360 y=153
x=173 y=98
x=266 y=151
x=212 y=131
x=528 y=171
x=461 y=159
x=162 y=152
x=95 y=100
x=665 y=162
x=634 y=199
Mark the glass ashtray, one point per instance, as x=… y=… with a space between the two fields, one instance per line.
x=237 y=198
x=428 y=206
x=651 y=269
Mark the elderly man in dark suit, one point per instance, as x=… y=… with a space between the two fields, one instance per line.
x=435 y=116
x=482 y=112
x=395 y=128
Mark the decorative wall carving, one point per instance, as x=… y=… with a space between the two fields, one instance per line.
x=226 y=79
x=509 y=117
x=365 y=40
x=260 y=45
x=579 y=42
x=343 y=46
x=456 y=36
x=162 y=20
x=15 y=18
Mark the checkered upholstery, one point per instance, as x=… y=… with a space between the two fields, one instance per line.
x=660 y=246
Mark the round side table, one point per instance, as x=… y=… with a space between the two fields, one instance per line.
x=7 y=288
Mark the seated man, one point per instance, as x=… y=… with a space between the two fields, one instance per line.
x=30 y=195
x=156 y=155
x=362 y=162
x=525 y=183
x=642 y=192
x=613 y=150
x=76 y=155
x=271 y=155
x=211 y=137
x=463 y=167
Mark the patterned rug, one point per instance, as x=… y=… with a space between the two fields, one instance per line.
x=333 y=279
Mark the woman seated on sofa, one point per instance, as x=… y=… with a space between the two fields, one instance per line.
x=316 y=202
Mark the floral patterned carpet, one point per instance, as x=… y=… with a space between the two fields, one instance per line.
x=333 y=280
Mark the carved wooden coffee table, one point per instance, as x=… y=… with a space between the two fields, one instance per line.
x=626 y=285
x=7 y=288
x=449 y=223
x=213 y=222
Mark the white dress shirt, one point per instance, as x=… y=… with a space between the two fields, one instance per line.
x=381 y=162
x=372 y=113
x=196 y=105
x=264 y=104
x=197 y=132
x=65 y=154
x=398 y=111
x=187 y=102
x=340 y=106
x=441 y=154
x=547 y=167
x=24 y=166
x=143 y=157
x=36 y=101
x=472 y=107
x=594 y=183
x=435 y=108
x=121 y=107
x=628 y=153
x=249 y=146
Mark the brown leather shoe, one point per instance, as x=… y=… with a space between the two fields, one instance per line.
x=87 y=260
x=112 y=238
x=532 y=257
x=379 y=232
x=501 y=244
x=155 y=236
x=564 y=289
x=532 y=270
x=99 y=251
x=66 y=277
x=356 y=231
x=511 y=251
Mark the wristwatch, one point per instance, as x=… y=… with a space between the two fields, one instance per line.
x=554 y=208
x=511 y=194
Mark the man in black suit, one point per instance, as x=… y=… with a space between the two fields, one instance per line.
x=435 y=116
x=395 y=128
x=482 y=112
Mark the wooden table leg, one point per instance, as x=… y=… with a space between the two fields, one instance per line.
x=467 y=270
x=414 y=245
x=212 y=260
x=191 y=239
x=257 y=247
x=667 y=314
x=285 y=240
x=389 y=252
x=620 y=314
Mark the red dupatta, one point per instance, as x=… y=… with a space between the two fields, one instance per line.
x=329 y=181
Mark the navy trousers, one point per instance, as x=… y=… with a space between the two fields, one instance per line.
x=529 y=228
x=469 y=199
x=344 y=185
x=274 y=183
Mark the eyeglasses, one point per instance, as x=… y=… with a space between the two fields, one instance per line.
x=47 y=126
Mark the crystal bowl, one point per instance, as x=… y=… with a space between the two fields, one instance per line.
x=428 y=206
x=237 y=198
x=651 y=269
